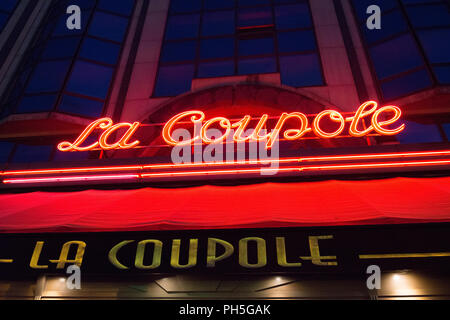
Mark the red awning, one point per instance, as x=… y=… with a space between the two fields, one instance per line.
x=397 y=200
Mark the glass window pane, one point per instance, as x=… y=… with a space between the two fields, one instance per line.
x=27 y=153
x=256 y=46
x=296 y=41
x=429 y=15
x=218 y=23
x=285 y=1
x=83 y=4
x=436 y=44
x=124 y=7
x=405 y=85
x=60 y=48
x=393 y=23
x=90 y=79
x=218 y=4
x=389 y=57
x=184 y=6
x=71 y=156
x=301 y=70
x=174 y=80
x=362 y=5
x=415 y=1
x=446 y=127
x=257 y=65
x=251 y=17
x=8 y=5
x=61 y=26
x=40 y=103
x=179 y=51
x=3 y=20
x=108 y=26
x=81 y=106
x=216 y=69
x=181 y=27
x=101 y=51
x=48 y=76
x=217 y=48
x=249 y=3
x=419 y=133
x=442 y=74
x=5 y=150
x=293 y=16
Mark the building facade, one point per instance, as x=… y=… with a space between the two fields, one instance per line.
x=145 y=61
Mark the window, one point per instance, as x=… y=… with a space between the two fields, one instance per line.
x=212 y=38
x=6 y=10
x=69 y=70
x=5 y=150
x=409 y=53
x=31 y=153
x=416 y=132
x=173 y=80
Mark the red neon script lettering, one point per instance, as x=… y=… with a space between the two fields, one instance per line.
x=367 y=109
x=105 y=124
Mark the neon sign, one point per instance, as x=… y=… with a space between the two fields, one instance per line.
x=368 y=110
x=107 y=125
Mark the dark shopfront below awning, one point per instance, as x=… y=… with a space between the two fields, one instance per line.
x=396 y=200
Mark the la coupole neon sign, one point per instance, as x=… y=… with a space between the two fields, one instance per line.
x=368 y=110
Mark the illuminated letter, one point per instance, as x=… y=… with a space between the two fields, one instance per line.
x=224 y=123
x=361 y=113
x=175 y=258
x=211 y=258
x=140 y=253
x=104 y=123
x=112 y=255
x=315 y=257
x=261 y=250
x=335 y=116
x=262 y=122
x=281 y=254
x=378 y=125
x=242 y=126
x=291 y=134
x=36 y=254
x=61 y=262
x=123 y=142
x=196 y=116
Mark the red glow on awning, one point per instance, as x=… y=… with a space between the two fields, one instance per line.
x=397 y=200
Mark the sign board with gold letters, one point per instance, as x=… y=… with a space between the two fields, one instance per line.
x=281 y=250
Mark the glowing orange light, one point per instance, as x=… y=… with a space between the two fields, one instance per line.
x=378 y=126
x=379 y=165
x=296 y=169
x=196 y=117
x=360 y=114
x=103 y=123
x=355 y=166
x=224 y=123
x=293 y=133
x=107 y=125
x=72 y=179
x=369 y=108
x=123 y=142
x=227 y=163
x=335 y=116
